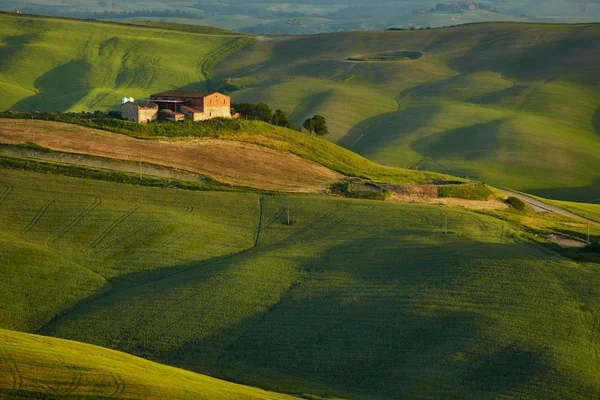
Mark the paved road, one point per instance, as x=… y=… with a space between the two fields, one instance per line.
x=540 y=206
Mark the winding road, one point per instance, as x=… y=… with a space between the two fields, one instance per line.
x=540 y=206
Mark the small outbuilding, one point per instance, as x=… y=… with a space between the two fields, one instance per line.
x=142 y=113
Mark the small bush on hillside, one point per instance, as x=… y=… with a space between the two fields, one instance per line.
x=467 y=191
x=517 y=204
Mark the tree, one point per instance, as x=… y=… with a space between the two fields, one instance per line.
x=309 y=125
x=280 y=118
x=263 y=112
x=320 y=125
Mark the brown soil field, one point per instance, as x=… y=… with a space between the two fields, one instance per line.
x=472 y=204
x=242 y=164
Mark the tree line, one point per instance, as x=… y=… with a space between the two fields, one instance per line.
x=262 y=112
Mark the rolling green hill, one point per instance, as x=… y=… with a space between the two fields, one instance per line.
x=37 y=367
x=515 y=105
x=50 y=63
x=512 y=104
x=354 y=299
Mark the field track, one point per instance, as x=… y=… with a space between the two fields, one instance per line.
x=227 y=161
x=540 y=206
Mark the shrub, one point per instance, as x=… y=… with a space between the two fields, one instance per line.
x=467 y=191
x=517 y=204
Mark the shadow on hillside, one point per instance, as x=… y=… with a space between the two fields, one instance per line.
x=583 y=194
x=473 y=142
x=572 y=57
x=386 y=316
x=383 y=130
x=510 y=94
x=596 y=121
x=311 y=105
x=60 y=88
x=11 y=46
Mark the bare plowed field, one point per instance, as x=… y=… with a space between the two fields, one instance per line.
x=227 y=161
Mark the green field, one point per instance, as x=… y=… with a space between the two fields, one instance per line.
x=511 y=104
x=37 y=367
x=355 y=299
x=49 y=64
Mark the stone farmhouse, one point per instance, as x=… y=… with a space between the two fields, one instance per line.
x=177 y=105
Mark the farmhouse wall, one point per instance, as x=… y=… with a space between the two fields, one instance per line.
x=147 y=114
x=136 y=113
x=129 y=111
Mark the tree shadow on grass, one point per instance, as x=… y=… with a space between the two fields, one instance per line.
x=60 y=88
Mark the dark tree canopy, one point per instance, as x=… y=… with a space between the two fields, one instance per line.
x=320 y=125
x=281 y=118
x=260 y=111
x=316 y=124
x=309 y=125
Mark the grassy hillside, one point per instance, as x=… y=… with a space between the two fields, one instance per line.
x=513 y=104
x=37 y=367
x=51 y=64
x=485 y=101
x=354 y=299
x=234 y=151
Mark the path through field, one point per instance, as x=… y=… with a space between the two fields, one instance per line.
x=540 y=206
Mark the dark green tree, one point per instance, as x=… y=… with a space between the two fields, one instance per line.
x=264 y=112
x=280 y=118
x=309 y=125
x=320 y=126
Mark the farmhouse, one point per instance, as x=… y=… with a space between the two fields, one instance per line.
x=177 y=105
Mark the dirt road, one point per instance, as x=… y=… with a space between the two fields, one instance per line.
x=540 y=206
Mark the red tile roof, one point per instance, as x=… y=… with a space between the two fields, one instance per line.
x=192 y=110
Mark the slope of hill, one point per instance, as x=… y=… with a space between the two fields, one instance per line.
x=37 y=367
x=248 y=153
x=512 y=104
x=49 y=63
x=353 y=299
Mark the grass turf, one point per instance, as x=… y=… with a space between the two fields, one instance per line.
x=37 y=367
x=49 y=63
x=354 y=299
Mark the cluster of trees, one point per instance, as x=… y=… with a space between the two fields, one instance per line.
x=316 y=124
x=262 y=112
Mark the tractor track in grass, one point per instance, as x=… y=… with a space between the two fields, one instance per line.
x=97 y=202
x=112 y=227
x=119 y=383
x=87 y=304
x=41 y=212
x=125 y=236
x=13 y=369
x=76 y=380
x=180 y=301
x=6 y=192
